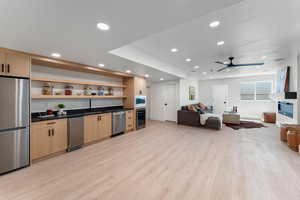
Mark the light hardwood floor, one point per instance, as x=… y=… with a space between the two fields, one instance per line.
x=166 y=161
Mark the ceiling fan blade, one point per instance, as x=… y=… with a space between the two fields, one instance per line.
x=219 y=70
x=218 y=62
x=250 y=64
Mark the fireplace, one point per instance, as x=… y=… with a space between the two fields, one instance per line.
x=286 y=109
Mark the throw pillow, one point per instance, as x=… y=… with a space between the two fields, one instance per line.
x=202 y=106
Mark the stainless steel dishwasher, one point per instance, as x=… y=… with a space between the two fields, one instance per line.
x=118 y=123
x=75 y=133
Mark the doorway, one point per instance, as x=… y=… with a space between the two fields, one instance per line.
x=163 y=102
x=220 y=98
x=170 y=102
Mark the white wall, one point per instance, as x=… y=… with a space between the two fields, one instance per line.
x=184 y=85
x=41 y=105
x=248 y=109
x=293 y=60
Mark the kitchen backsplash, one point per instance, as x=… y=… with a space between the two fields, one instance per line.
x=41 y=105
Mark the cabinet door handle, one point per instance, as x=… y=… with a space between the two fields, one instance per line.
x=49 y=132
x=100 y=118
x=2 y=67
x=52 y=132
x=50 y=123
x=8 y=68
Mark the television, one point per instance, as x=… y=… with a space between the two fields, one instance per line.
x=286 y=109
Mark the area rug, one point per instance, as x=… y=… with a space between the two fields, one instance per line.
x=246 y=125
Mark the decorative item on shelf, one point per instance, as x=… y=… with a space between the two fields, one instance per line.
x=88 y=91
x=58 y=93
x=93 y=93
x=234 y=109
x=110 y=92
x=69 y=90
x=100 y=91
x=47 y=89
x=61 y=109
x=78 y=93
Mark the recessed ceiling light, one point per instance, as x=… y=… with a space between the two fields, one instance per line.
x=188 y=60
x=220 y=43
x=174 y=50
x=196 y=67
x=56 y=55
x=128 y=71
x=214 y=24
x=147 y=75
x=263 y=57
x=204 y=73
x=161 y=79
x=103 y=26
x=101 y=65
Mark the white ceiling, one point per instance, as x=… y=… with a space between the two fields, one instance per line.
x=143 y=32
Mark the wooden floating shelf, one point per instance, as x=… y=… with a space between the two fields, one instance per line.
x=35 y=96
x=90 y=83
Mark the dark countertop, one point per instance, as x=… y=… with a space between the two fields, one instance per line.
x=77 y=113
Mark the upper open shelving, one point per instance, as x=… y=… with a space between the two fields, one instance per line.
x=36 y=96
x=74 y=82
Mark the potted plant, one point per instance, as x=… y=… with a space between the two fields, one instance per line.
x=60 y=109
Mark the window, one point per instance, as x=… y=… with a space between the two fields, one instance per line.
x=256 y=91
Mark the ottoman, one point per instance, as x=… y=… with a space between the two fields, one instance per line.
x=269 y=117
x=213 y=123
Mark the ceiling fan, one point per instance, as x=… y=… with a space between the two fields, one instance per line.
x=231 y=65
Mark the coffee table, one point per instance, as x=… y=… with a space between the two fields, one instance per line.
x=231 y=118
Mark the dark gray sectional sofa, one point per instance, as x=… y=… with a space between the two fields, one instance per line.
x=192 y=118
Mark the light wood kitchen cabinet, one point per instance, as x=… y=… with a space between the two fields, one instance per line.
x=129 y=120
x=140 y=86
x=48 y=137
x=135 y=86
x=2 y=63
x=105 y=125
x=14 y=64
x=59 y=136
x=97 y=127
x=90 y=128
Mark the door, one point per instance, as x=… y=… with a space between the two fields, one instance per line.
x=90 y=128
x=105 y=127
x=2 y=63
x=40 y=140
x=17 y=65
x=129 y=121
x=170 y=103
x=59 y=136
x=14 y=149
x=220 y=98
x=14 y=95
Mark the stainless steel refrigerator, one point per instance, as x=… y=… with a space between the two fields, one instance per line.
x=14 y=123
